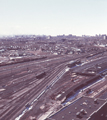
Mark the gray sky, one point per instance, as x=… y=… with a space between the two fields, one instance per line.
x=53 y=17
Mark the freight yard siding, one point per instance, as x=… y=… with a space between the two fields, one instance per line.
x=85 y=74
x=79 y=86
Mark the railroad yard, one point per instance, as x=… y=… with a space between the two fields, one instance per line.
x=52 y=78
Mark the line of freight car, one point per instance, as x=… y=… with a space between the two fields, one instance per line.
x=94 y=54
x=22 y=60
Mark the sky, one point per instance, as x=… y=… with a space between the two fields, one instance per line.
x=53 y=17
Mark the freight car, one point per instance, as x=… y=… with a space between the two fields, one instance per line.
x=41 y=75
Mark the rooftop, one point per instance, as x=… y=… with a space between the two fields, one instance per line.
x=82 y=108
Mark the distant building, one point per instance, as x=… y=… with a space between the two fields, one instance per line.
x=49 y=37
x=104 y=37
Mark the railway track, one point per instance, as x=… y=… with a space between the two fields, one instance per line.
x=24 y=99
x=17 y=105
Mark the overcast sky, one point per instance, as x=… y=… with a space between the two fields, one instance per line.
x=53 y=17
